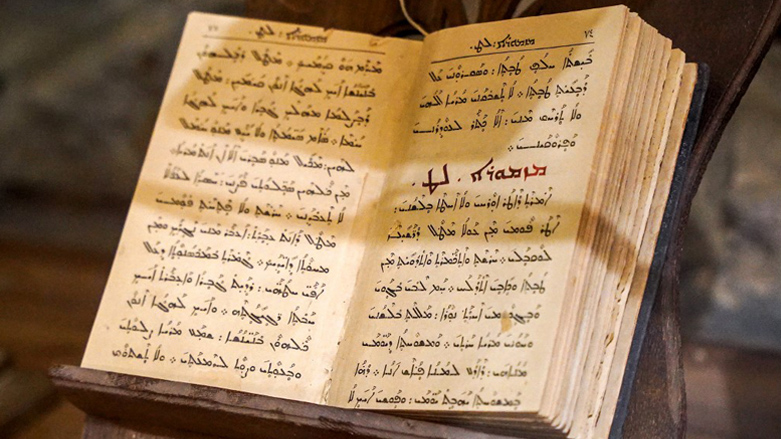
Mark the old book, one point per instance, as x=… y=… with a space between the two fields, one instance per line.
x=458 y=229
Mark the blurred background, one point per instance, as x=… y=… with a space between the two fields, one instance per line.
x=80 y=84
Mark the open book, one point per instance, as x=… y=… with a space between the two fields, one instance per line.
x=457 y=229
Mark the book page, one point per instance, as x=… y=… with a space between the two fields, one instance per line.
x=241 y=247
x=460 y=295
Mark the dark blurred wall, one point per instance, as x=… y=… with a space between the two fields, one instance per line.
x=731 y=281
x=80 y=83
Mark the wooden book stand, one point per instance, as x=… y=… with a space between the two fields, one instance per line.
x=731 y=37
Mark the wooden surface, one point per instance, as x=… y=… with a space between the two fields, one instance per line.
x=732 y=393
x=731 y=37
x=152 y=408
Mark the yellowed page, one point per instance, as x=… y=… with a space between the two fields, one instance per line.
x=460 y=295
x=244 y=237
x=628 y=324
